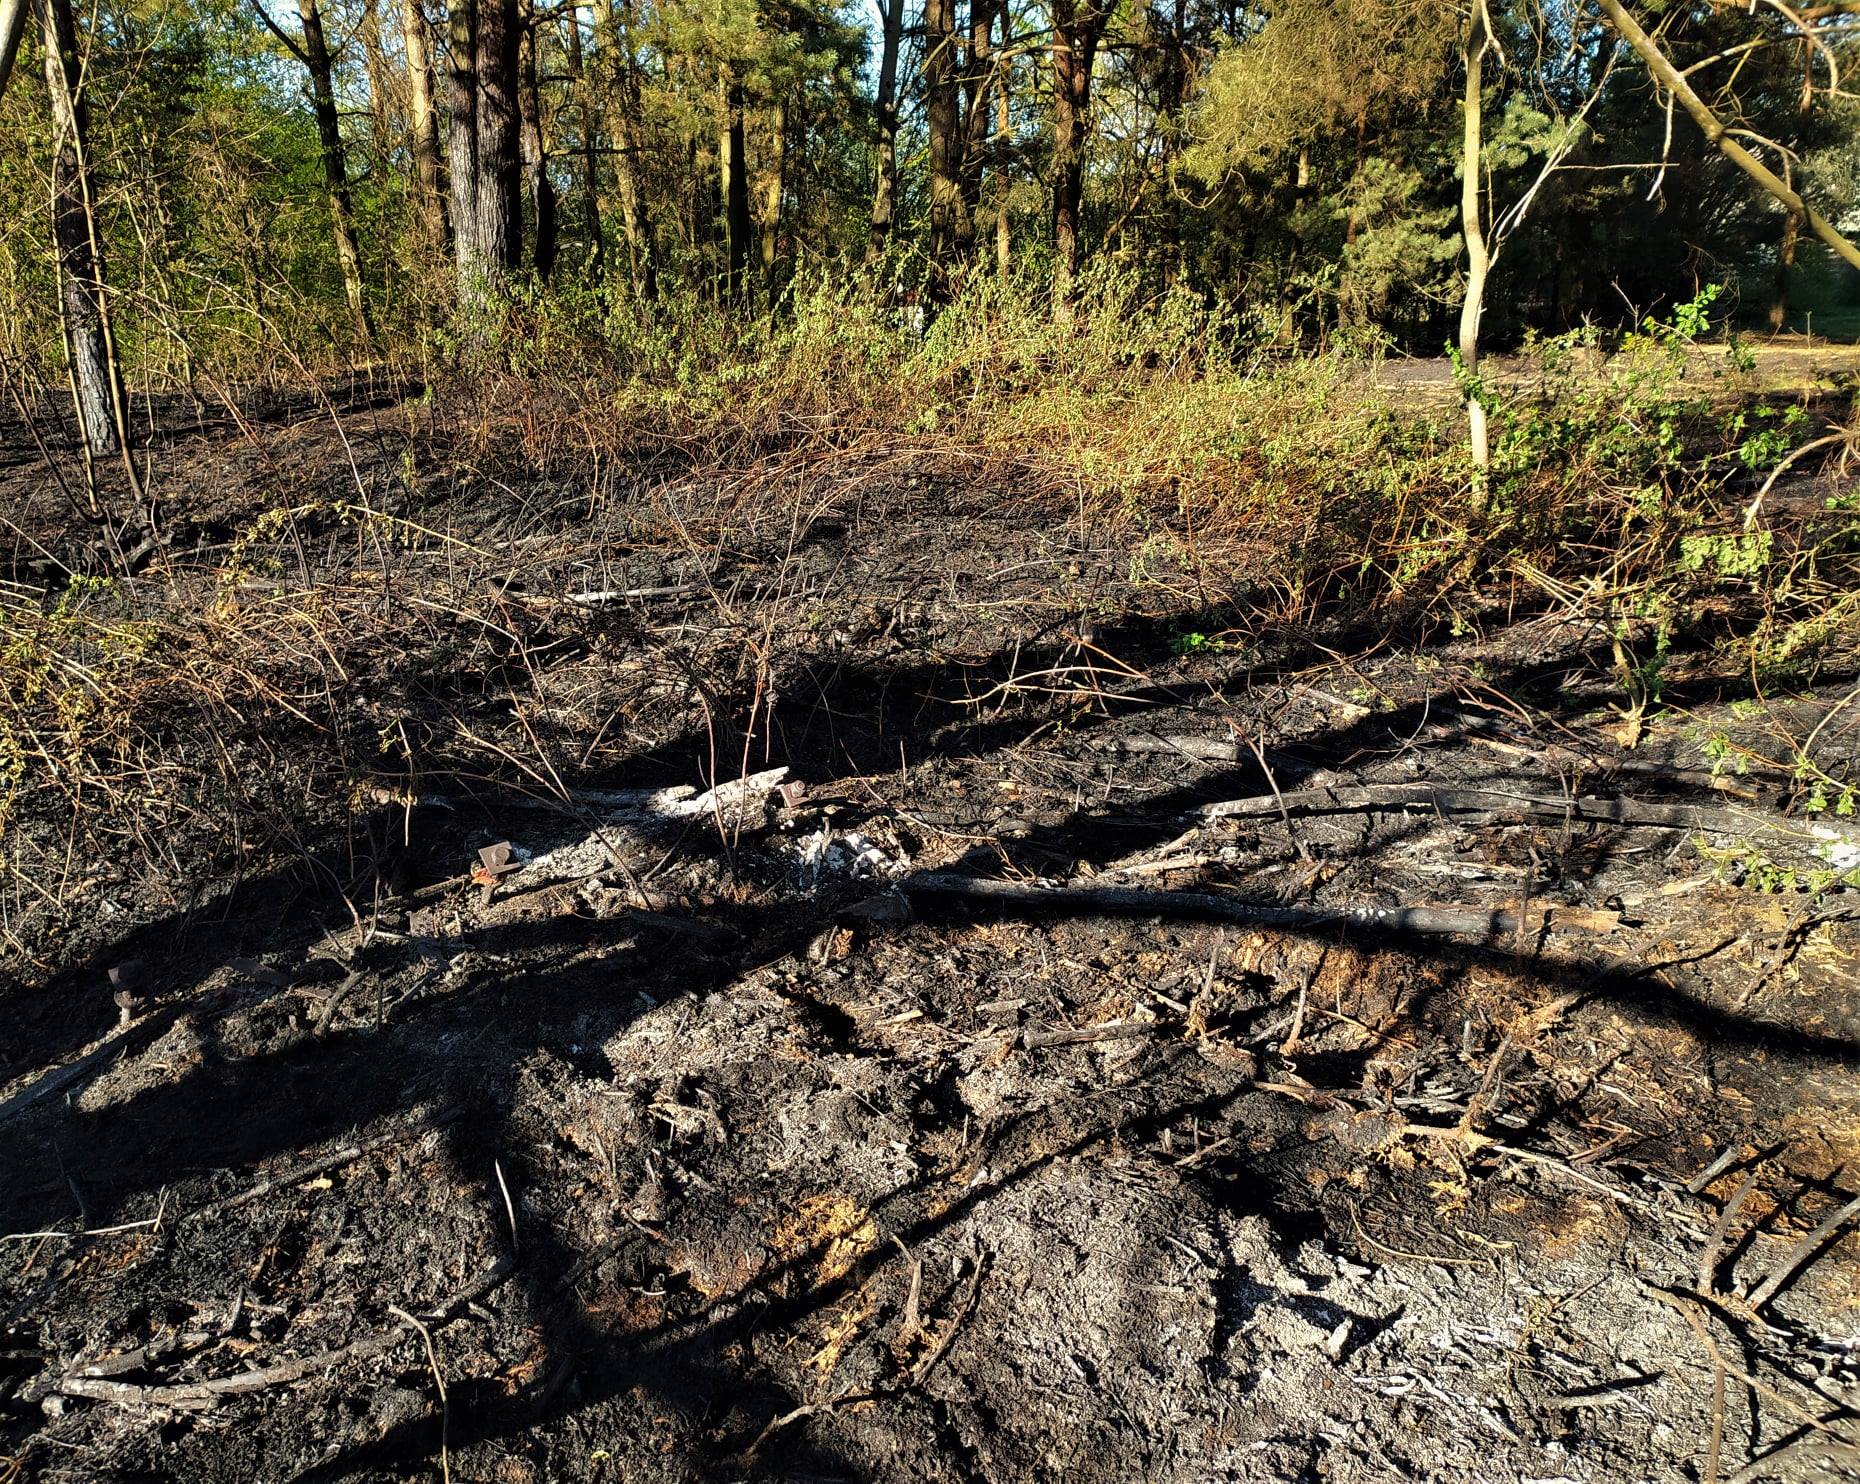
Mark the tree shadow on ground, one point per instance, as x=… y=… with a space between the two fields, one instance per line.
x=232 y=1112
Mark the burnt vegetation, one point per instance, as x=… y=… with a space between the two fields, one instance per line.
x=765 y=743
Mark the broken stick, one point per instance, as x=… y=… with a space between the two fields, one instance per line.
x=1585 y=810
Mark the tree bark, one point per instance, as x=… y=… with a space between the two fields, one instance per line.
x=590 y=129
x=773 y=186
x=1076 y=34
x=12 y=27
x=617 y=43
x=95 y=389
x=486 y=183
x=535 y=154
x=976 y=83
x=316 y=60
x=462 y=133
x=1478 y=259
x=1785 y=271
x=885 y=192
x=423 y=125
x=945 y=147
x=733 y=185
x=1003 y=151
x=1669 y=77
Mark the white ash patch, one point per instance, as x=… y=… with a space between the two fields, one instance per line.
x=847 y=855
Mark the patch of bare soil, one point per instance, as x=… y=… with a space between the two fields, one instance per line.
x=867 y=1056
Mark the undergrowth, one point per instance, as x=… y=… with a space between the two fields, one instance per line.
x=387 y=638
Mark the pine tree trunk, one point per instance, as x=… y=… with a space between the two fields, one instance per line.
x=423 y=125
x=976 y=82
x=499 y=183
x=1172 y=100
x=487 y=189
x=95 y=390
x=773 y=185
x=335 y=162
x=941 y=109
x=733 y=186
x=1076 y=34
x=590 y=130
x=1785 y=271
x=885 y=192
x=614 y=37
x=535 y=154
x=1004 y=149
x=462 y=135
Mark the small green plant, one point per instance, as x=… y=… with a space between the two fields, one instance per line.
x=1727 y=557
x=1191 y=641
x=1767 y=435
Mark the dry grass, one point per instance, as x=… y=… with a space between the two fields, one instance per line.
x=345 y=655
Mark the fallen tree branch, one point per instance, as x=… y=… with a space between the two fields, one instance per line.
x=1446 y=921
x=130 y=1039
x=1717 y=819
x=1684 y=1305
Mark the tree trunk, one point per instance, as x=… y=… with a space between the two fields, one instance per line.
x=486 y=184
x=383 y=84
x=1004 y=148
x=976 y=82
x=1478 y=261
x=940 y=103
x=423 y=125
x=1785 y=271
x=317 y=63
x=885 y=193
x=1172 y=101
x=12 y=27
x=590 y=129
x=773 y=184
x=535 y=155
x=462 y=134
x=733 y=185
x=95 y=390
x=618 y=44
x=1076 y=34
x=499 y=184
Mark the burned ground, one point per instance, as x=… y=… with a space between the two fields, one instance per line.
x=753 y=1140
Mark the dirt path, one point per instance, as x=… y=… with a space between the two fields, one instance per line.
x=1784 y=365
x=730 y=1140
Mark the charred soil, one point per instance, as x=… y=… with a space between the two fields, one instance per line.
x=731 y=974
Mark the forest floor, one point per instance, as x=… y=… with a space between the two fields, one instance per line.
x=862 y=1054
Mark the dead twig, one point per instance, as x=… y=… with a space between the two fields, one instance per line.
x=1679 y=1303
x=1714 y=1246
x=196 y=1395
x=439 y=1381
x=1117 y=1030
x=1799 y=1255
x=297 y=1174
